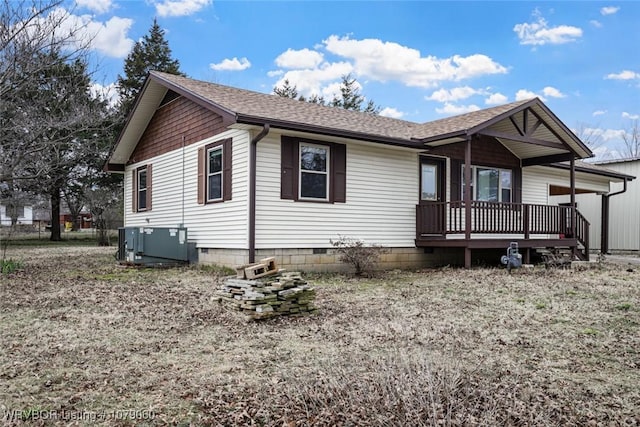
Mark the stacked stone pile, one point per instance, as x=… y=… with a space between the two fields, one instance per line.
x=278 y=294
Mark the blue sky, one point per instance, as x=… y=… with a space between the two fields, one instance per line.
x=419 y=61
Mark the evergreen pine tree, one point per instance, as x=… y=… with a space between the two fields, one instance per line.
x=350 y=97
x=150 y=53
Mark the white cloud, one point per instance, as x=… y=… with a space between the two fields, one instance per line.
x=108 y=93
x=609 y=10
x=455 y=94
x=599 y=113
x=275 y=73
x=304 y=58
x=391 y=112
x=626 y=115
x=606 y=153
x=383 y=61
x=109 y=38
x=623 y=75
x=312 y=81
x=552 y=92
x=595 y=23
x=234 y=64
x=539 y=32
x=496 y=99
x=97 y=6
x=523 y=94
x=605 y=134
x=180 y=7
x=453 y=109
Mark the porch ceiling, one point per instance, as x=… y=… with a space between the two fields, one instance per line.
x=529 y=130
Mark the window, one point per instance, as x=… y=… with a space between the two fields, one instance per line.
x=489 y=184
x=429 y=182
x=314 y=172
x=142 y=189
x=141 y=186
x=214 y=174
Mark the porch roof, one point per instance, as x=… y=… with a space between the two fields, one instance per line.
x=526 y=128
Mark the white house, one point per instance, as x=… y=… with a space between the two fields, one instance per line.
x=253 y=175
x=25 y=215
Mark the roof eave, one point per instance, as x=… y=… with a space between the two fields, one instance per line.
x=228 y=116
x=607 y=173
x=302 y=127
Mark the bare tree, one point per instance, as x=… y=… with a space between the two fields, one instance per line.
x=589 y=134
x=631 y=140
x=51 y=128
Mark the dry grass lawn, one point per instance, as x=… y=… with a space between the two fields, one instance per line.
x=446 y=346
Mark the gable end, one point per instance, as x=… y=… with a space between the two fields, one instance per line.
x=174 y=119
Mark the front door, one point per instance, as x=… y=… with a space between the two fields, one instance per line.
x=432 y=195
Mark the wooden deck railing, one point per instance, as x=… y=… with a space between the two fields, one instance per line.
x=442 y=218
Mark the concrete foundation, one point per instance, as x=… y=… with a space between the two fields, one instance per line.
x=328 y=260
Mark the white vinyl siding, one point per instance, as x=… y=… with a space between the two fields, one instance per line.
x=381 y=194
x=624 y=226
x=624 y=209
x=217 y=225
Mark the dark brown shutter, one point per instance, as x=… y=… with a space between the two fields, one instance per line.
x=226 y=167
x=456 y=177
x=516 y=186
x=149 y=185
x=339 y=173
x=134 y=190
x=289 y=168
x=201 y=167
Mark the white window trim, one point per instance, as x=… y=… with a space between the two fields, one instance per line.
x=326 y=173
x=209 y=174
x=139 y=189
x=474 y=187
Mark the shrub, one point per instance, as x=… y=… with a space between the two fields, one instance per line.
x=355 y=252
x=8 y=266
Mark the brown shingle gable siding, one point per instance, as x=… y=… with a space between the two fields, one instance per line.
x=485 y=151
x=170 y=123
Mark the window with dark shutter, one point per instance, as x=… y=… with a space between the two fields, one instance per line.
x=214 y=172
x=313 y=170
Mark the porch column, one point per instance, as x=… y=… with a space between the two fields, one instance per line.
x=467 y=202
x=572 y=178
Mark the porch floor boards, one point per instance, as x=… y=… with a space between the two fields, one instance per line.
x=486 y=243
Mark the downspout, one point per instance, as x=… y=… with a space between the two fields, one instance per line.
x=252 y=190
x=604 y=220
x=572 y=178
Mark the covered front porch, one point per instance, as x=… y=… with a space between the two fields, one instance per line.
x=472 y=190
x=495 y=225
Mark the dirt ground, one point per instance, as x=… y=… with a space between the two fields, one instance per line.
x=84 y=341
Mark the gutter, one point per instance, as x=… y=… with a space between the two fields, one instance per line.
x=253 y=145
x=300 y=127
x=604 y=220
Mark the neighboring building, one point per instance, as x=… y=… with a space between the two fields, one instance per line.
x=24 y=213
x=623 y=213
x=253 y=175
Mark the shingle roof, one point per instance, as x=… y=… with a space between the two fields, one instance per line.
x=257 y=105
x=241 y=102
x=464 y=122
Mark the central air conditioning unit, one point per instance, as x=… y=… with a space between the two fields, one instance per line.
x=153 y=245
